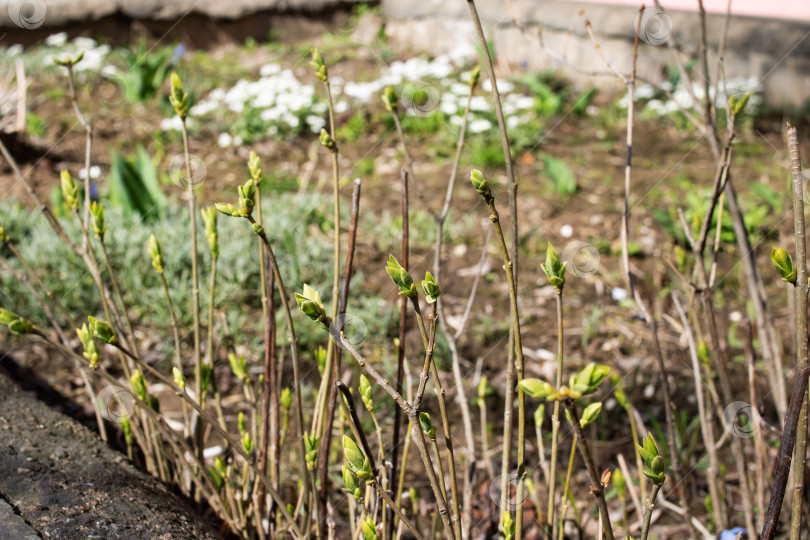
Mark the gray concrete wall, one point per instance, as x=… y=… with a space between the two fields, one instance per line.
x=552 y=35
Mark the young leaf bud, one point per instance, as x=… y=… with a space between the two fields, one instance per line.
x=90 y=351
x=309 y=303
x=369 y=529
x=69 y=190
x=247 y=197
x=554 y=268
x=783 y=263
x=138 y=384
x=427 y=426
x=327 y=141
x=209 y=217
x=480 y=184
x=401 y=278
x=319 y=65
x=475 y=75
x=590 y=414
x=99 y=225
x=238 y=366
x=228 y=209
x=365 y=393
x=179 y=380
x=311 y=456
x=255 y=168
x=355 y=459
x=431 y=288
x=155 y=253
x=536 y=388
x=177 y=97
x=390 y=99
x=102 y=331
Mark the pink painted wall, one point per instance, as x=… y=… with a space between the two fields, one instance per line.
x=777 y=9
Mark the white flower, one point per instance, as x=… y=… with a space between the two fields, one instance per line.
x=480 y=125
x=14 y=50
x=566 y=231
x=56 y=40
x=95 y=172
x=224 y=140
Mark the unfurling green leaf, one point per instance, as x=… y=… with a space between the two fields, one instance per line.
x=369 y=529
x=655 y=465
x=536 y=388
x=352 y=483
x=310 y=304
x=102 y=331
x=783 y=263
x=247 y=443
x=238 y=366
x=431 y=288
x=355 y=459
x=228 y=209
x=590 y=414
x=401 y=278
x=554 y=268
x=15 y=323
x=508 y=525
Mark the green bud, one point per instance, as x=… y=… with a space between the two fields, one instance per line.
x=155 y=253
x=138 y=384
x=355 y=459
x=209 y=217
x=179 y=380
x=508 y=525
x=554 y=268
x=401 y=278
x=247 y=443
x=309 y=303
x=390 y=99
x=620 y=482
x=431 y=288
x=238 y=366
x=680 y=259
x=228 y=209
x=102 y=331
x=590 y=414
x=154 y=403
x=475 y=75
x=285 y=400
x=320 y=359
x=205 y=377
x=588 y=380
x=414 y=496
x=427 y=426
x=783 y=263
x=247 y=197
x=90 y=351
x=3 y=236
x=540 y=415
x=311 y=456
x=241 y=424
x=258 y=230
x=127 y=427
x=215 y=478
x=365 y=393
x=738 y=105
x=327 y=141
x=255 y=168
x=69 y=190
x=482 y=387
x=480 y=184
x=352 y=484
x=15 y=323
x=703 y=351
x=319 y=66
x=178 y=97
x=99 y=225
x=536 y=388
x=369 y=529
x=220 y=466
